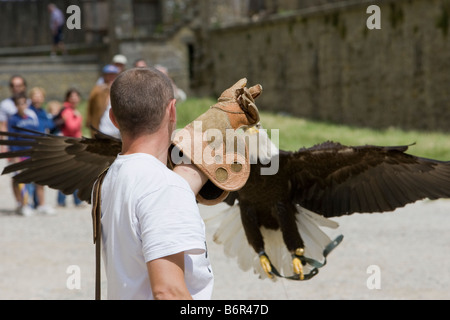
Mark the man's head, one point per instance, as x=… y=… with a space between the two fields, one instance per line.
x=140 y=63
x=51 y=7
x=139 y=100
x=37 y=96
x=73 y=96
x=17 y=84
x=20 y=100
x=120 y=61
x=110 y=73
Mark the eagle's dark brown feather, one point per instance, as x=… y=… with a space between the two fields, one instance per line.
x=62 y=163
x=335 y=180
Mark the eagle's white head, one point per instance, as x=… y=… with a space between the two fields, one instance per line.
x=259 y=144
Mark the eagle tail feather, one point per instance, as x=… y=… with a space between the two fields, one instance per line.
x=313 y=236
x=230 y=233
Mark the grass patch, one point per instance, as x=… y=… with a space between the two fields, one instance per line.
x=295 y=133
x=189 y=110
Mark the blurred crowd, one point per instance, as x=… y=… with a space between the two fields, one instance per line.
x=29 y=112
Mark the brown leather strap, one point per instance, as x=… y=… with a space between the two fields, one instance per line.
x=97 y=230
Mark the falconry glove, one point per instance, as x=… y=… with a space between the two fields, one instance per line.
x=213 y=144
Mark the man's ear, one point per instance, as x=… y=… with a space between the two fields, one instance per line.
x=113 y=118
x=172 y=110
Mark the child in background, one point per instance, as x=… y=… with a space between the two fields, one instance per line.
x=54 y=108
x=23 y=120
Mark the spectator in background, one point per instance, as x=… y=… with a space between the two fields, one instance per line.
x=53 y=107
x=56 y=26
x=45 y=124
x=21 y=119
x=37 y=97
x=72 y=117
x=140 y=63
x=120 y=62
x=71 y=128
x=99 y=98
x=106 y=126
x=180 y=95
x=17 y=85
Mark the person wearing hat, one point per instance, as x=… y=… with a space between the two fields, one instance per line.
x=120 y=61
x=99 y=98
x=110 y=73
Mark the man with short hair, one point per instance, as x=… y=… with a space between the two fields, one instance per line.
x=153 y=236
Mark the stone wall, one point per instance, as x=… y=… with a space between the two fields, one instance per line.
x=171 y=53
x=27 y=23
x=319 y=62
x=55 y=75
x=327 y=65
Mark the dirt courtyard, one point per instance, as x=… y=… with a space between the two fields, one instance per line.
x=52 y=257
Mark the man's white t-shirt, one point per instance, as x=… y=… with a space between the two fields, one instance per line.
x=149 y=212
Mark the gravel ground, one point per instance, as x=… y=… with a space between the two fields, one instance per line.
x=42 y=257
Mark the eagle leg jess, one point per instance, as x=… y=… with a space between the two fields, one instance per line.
x=292 y=239
x=252 y=231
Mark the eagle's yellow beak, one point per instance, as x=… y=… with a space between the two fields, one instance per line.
x=252 y=130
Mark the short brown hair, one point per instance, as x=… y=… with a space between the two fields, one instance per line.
x=19 y=96
x=139 y=98
x=18 y=77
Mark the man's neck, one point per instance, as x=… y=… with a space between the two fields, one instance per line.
x=155 y=144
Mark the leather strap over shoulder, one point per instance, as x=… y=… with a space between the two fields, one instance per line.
x=97 y=229
x=96 y=203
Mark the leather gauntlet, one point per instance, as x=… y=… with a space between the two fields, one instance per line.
x=214 y=144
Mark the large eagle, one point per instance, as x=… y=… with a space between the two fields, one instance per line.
x=310 y=186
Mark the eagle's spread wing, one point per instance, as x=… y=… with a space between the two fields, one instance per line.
x=334 y=180
x=62 y=163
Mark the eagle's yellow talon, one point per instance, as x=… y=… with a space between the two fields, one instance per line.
x=297 y=263
x=298 y=267
x=265 y=264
